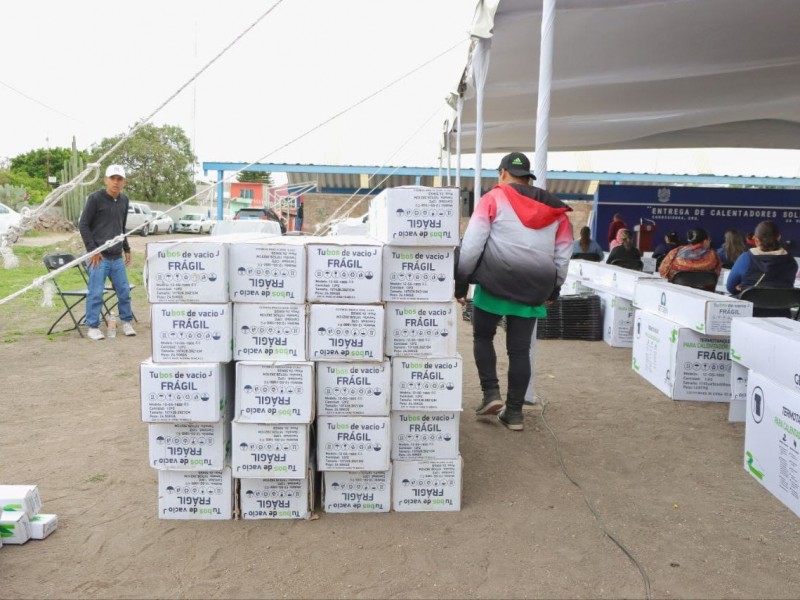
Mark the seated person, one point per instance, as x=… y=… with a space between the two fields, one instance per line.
x=697 y=255
x=625 y=250
x=586 y=245
x=732 y=248
x=671 y=241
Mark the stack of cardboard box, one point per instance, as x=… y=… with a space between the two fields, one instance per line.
x=20 y=519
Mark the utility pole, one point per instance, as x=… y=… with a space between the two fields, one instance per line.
x=47 y=162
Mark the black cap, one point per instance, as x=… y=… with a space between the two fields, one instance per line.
x=517 y=164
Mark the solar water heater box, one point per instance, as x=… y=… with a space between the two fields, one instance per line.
x=191 y=333
x=353 y=388
x=357 y=492
x=418 y=273
x=344 y=269
x=270 y=270
x=187 y=271
x=195 y=495
x=416 y=216
x=427 y=485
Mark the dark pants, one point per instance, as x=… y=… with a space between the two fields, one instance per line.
x=518 y=345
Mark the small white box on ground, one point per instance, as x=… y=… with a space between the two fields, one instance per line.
x=274 y=392
x=357 y=492
x=770 y=346
x=277 y=498
x=428 y=485
x=23 y=498
x=429 y=384
x=421 y=328
x=273 y=451
x=418 y=273
x=617 y=320
x=355 y=389
x=353 y=443
x=187 y=271
x=269 y=332
x=187 y=393
x=190 y=446
x=345 y=332
x=15 y=527
x=43 y=525
x=195 y=495
x=270 y=270
x=424 y=435
x=416 y=216
x=191 y=333
x=344 y=269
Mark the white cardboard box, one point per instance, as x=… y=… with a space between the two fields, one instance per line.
x=15 y=527
x=682 y=363
x=429 y=384
x=418 y=274
x=428 y=485
x=424 y=435
x=624 y=281
x=43 y=525
x=772 y=439
x=187 y=393
x=617 y=320
x=277 y=498
x=269 y=332
x=190 y=446
x=416 y=216
x=274 y=392
x=187 y=271
x=344 y=269
x=353 y=443
x=271 y=270
x=770 y=346
x=356 y=389
x=573 y=286
x=274 y=451
x=357 y=492
x=421 y=328
x=191 y=333
x=23 y=498
x=196 y=495
x=345 y=332
x=705 y=312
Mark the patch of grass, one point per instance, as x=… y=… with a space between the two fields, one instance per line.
x=97 y=477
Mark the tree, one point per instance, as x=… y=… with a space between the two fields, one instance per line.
x=34 y=163
x=158 y=161
x=255 y=177
x=36 y=189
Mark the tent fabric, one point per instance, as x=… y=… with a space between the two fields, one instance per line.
x=631 y=74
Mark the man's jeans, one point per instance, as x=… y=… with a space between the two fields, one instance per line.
x=113 y=269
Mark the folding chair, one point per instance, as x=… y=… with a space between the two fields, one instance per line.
x=110 y=299
x=590 y=256
x=701 y=280
x=772 y=302
x=634 y=264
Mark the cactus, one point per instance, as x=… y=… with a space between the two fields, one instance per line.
x=72 y=202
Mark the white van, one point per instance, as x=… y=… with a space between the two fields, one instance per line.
x=138 y=214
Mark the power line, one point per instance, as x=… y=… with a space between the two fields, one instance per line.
x=39 y=102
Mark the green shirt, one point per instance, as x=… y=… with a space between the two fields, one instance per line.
x=500 y=306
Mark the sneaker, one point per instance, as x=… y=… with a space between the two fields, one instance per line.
x=491 y=404
x=95 y=334
x=128 y=329
x=511 y=419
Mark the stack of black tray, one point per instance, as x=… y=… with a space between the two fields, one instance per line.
x=572 y=318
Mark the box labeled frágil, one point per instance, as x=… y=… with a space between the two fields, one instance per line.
x=428 y=485
x=15 y=527
x=188 y=393
x=23 y=498
x=424 y=435
x=416 y=216
x=190 y=446
x=772 y=439
x=274 y=392
x=191 y=333
x=682 y=363
x=277 y=498
x=345 y=269
x=274 y=451
x=357 y=492
x=270 y=270
x=705 y=312
x=770 y=346
x=269 y=332
x=421 y=328
x=187 y=271
x=429 y=384
x=417 y=274
x=617 y=320
x=43 y=525
x=195 y=495
x=353 y=443
x=355 y=388
x=345 y=332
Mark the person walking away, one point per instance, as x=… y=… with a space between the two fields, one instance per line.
x=103 y=218
x=697 y=255
x=586 y=245
x=625 y=250
x=616 y=224
x=515 y=250
x=732 y=248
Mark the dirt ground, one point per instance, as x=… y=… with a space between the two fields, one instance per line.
x=666 y=478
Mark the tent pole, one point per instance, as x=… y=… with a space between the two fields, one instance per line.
x=480 y=68
x=447 y=149
x=459 y=108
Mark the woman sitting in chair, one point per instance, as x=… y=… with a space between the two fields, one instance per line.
x=625 y=249
x=697 y=255
x=586 y=245
x=767 y=265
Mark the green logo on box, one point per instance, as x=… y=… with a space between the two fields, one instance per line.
x=750 y=466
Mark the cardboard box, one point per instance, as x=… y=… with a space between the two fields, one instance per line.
x=271 y=270
x=355 y=389
x=573 y=286
x=422 y=435
x=705 y=312
x=583 y=269
x=422 y=328
x=184 y=393
x=617 y=320
x=345 y=269
x=357 y=492
x=353 y=443
x=428 y=384
x=43 y=525
x=427 y=486
x=416 y=216
x=15 y=527
x=277 y=498
x=23 y=498
x=269 y=332
x=682 y=363
x=418 y=274
x=274 y=451
x=195 y=495
x=772 y=439
x=187 y=271
x=770 y=346
x=190 y=446
x=345 y=332
x=191 y=333
x=623 y=281
x=274 y=392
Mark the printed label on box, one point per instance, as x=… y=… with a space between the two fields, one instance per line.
x=424 y=435
x=355 y=389
x=191 y=392
x=274 y=451
x=344 y=273
x=427 y=384
x=266 y=272
x=275 y=498
x=348 y=332
x=274 y=392
x=187 y=272
x=353 y=443
x=416 y=216
x=357 y=492
x=191 y=332
x=421 y=328
x=418 y=274
x=190 y=446
x=195 y=495
x=421 y=486
x=269 y=332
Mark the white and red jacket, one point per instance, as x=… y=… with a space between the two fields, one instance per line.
x=517 y=245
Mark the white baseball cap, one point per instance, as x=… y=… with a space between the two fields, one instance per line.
x=115 y=170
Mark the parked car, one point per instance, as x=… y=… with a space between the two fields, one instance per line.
x=139 y=214
x=162 y=223
x=264 y=214
x=268 y=228
x=8 y=217
x=194 y=223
